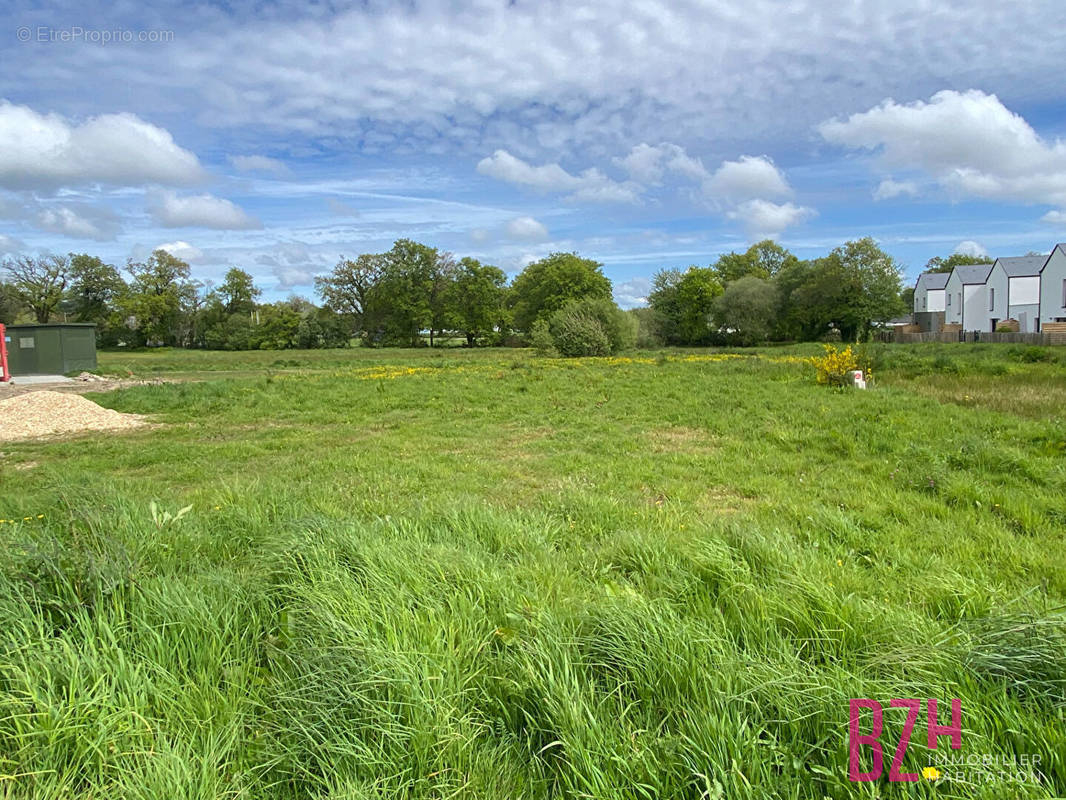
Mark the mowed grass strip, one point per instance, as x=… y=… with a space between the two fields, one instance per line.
x=492 y=575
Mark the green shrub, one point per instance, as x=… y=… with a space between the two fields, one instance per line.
x=1032 y=355
x=589 y=327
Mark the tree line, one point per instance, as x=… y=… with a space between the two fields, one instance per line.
x=415 y=294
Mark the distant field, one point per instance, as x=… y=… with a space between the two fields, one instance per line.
x=435 y=574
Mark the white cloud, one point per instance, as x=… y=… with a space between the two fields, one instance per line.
x=526 y=228
x=266 y=164
x=632 y=293
x=590 y=186
x=971 y=248
x=292 y=277
x=889 y=188
x=748 y=178
x=202 y=210
x=46 y=150
x=183 y=250
x=480 y=235
x=78 y=222
x=647 y=164
x=1054 y=218
x=968 y=142
x=764 y=219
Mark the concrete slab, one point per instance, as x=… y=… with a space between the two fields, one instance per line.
x=36 y=380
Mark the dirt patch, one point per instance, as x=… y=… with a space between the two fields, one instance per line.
x=681 y=439
x=45 y=413
x=97 y=383
x=720 y=500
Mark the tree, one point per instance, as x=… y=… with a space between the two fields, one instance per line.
x=40 y=282
x=854 y=286
x=411 y=291
x=160 y=292
x=747 y=308
x=10 y=303
x=906 y=298
x=593 y=326
x=350 y=290
x=477 y=298
x=938 y=264
x=545 y=286
x=763 y=260
x=95 y=292
x=238 y=292
x=683 y=303
x=880 y=277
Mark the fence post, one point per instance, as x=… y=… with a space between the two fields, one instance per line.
x=4 y=375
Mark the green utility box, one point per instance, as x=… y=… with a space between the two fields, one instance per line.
x=51 y=349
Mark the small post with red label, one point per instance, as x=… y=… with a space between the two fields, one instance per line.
x=4 y=374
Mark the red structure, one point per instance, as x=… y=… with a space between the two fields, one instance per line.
x=4 y=374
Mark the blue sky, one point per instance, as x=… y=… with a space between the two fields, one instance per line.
x=279 y=136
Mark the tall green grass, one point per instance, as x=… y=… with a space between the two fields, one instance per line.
x=508 y=577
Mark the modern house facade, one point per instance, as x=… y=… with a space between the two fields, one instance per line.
x=1014 y=292
x=966 y=297
x=1052 y=304
x=929 y=291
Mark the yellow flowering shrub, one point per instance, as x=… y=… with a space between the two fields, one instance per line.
x=832 y=369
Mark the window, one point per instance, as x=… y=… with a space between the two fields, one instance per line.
x=1064 y=292
x=991 y=298
x=949 y=300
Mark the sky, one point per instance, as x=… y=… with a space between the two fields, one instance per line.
x=281 y=136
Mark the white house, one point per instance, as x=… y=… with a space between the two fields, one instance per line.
x=1053 y=287
x=929 y=291
x=966 y=298
x=1013 y=291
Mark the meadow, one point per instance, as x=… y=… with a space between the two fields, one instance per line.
x=451 y=573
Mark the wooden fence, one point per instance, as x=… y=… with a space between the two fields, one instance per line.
x=1044 y=338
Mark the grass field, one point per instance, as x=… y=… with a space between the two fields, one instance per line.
x=483 y=574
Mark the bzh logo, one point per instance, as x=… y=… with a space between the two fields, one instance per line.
x=934 y=729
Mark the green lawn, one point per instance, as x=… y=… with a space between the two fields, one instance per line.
x=456 y=573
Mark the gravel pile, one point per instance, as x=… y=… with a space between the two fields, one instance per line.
x=28 y=416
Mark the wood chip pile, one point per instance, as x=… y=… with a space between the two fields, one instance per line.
x=36 y=414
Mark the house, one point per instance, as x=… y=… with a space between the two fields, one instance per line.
x=1014 y=292
x=929 y=291
x=1052 y=306
x=966 y=297
x=929 y=301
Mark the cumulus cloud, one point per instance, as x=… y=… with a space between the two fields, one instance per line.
x=78 y=221
x=265 y=164
x=199 y=211
x=748 y=178
x=968 y=142
x=971 y=248
x=47 y=151
x=889 y=188
x=632 y=293
x=647 y=164
x=526 y=228
x=1054 y=217
x=293 y=264
x=591 y=186
x=183 y=250
x=764 y=219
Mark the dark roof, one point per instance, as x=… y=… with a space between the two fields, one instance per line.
x=1022 y=266
x=973 y=273
x=932 y=280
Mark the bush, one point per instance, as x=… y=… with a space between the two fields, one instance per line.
x=580 y=335
x=589 y=327
x=832 y=369
x=1032 y=355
